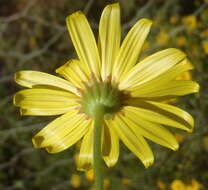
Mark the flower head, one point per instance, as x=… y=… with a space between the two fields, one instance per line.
x=109 y=74
x=193 y=185
x=190 y=22
x=177 y=184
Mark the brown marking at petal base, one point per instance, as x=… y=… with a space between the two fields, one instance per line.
x=122 y=113
x=80 y=111
x=78 y=102
x=84 y=83
x=92 y=76
x=113 y=117
x=37 y=141
x=109 y=78
x=87 y=117
x=79 y=90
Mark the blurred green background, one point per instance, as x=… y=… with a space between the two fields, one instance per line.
x=33 y=36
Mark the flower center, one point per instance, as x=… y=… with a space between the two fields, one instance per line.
x=103 y=94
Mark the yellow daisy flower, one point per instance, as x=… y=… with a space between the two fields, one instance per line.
x=178 y=184
x=194 y=185
x=181 y=41
x=75 y=181
x=110 y=75
x=162 y=38
x=161 y=185
x=190 y=22
x=205 y=46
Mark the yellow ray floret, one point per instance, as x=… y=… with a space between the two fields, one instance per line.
x=31 y=79
x=84 y=41
x=62 y=133
x=109 y=38
x=151 y=67
x=148 y=129
x=110 y=146
x=130 y=49
x=38 y=101
x=75 y=71
x=134 y=141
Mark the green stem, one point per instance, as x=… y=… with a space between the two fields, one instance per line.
x=97 y=157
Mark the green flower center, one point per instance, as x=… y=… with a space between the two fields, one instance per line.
x=103 y=94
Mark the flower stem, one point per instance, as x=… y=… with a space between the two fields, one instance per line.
x=97 y=157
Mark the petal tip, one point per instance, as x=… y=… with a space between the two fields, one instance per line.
x=59 y=69
x=16 y=76
x=146 y=21
x=110 y=163
x=148 y=162
x=74 y=15
x=197 y=88
x=175 y=147
x=17 y=98
x=190 y=131
x=178 y=51
x=37 y=141
x=64 y=66
x=113 y=5
x=22 y=112
x=14 y=100
x=51 y=150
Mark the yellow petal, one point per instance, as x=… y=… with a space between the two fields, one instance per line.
x=110 y=146
x=134 y=141
x=62 y=133
x=84 y=41
x=173 y=88
x=151 y=67
x=32 y=78
x=45 y=111
x=76 y=72
x=152 y=131
x=85 y=158
x=166 y=77
x=131 y=48
x=162 y=113
x=45 y=101
x=109 y=36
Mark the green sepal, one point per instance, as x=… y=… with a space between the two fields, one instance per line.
x=102 y=94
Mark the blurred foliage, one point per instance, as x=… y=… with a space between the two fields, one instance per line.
x=33 y=36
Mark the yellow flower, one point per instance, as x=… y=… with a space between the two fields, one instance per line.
x=194 y=185
x=106 y=183
x=204 y=33
x=162 y=38
x=178 y=185
x=181 y=41
x=126 y=181
x=179 y=137
x=75 y=181
x=173 y=19
x=195 y=50
x=110 y=75
x=205 y=46
x=190 y=22
x=205 y=142
x=161 y=185
x=89 y=175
